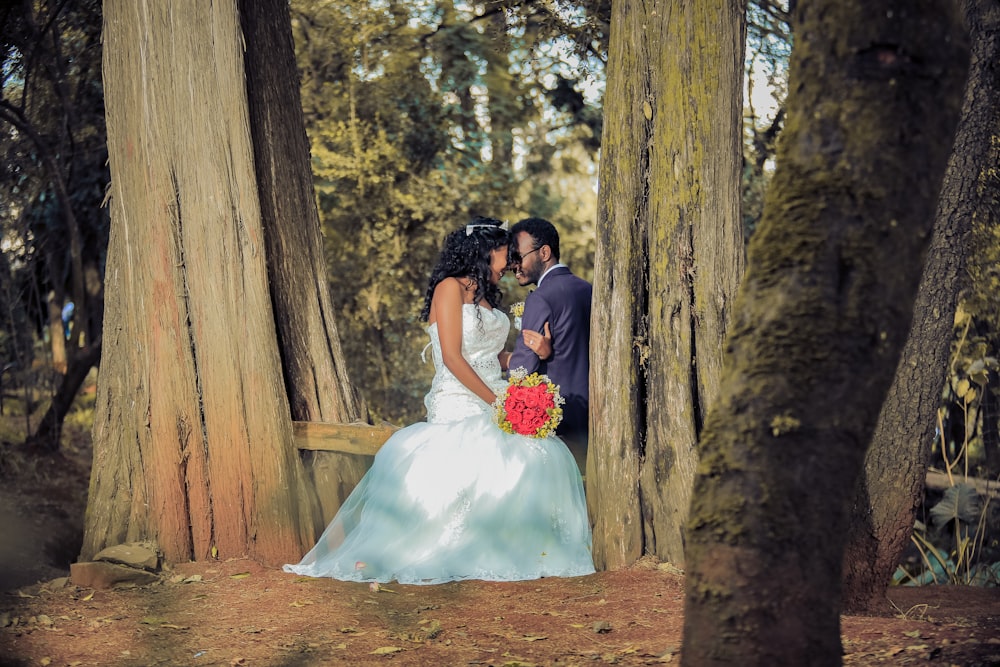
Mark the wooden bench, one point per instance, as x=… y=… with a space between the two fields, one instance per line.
x=364 y=439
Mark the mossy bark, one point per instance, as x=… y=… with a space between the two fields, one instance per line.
x=314 y=367
x=192 y=437
x=669 y=260
x=890 y=491
x=821 y=317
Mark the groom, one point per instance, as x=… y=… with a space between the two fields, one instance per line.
x=560 y=307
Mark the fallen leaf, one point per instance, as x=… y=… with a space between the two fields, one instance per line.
x=386 y=650
x=433 y=630
x=239 y=575
x=668 y=655
x=601 y=627
x=174 y=627
x=533 y=638
x=670 y=568
x=89 y=597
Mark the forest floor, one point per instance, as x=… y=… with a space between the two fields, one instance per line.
x=237 y=612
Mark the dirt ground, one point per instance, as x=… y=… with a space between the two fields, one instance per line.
x=240 y=613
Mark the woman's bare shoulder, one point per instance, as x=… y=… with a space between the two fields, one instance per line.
x=448 y=294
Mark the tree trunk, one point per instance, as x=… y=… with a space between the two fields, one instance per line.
x=891 y=489
x=314 y=366
x=57 y=336
x=47 y=437
x=192 y=434
x=669 y=259
x=823 y=312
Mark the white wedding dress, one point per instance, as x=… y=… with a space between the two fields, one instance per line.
x=457 y=498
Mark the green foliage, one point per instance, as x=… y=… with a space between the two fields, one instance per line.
x=15 y=328
x=960 y=504
x=961 y=546
x=960 y=518
x=970 y=422
x=53 y=134
x=420 y=116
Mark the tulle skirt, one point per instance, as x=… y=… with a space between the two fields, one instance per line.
x=464 y=500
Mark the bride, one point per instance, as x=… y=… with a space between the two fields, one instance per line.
x=455 y=497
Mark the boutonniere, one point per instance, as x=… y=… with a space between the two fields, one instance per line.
x=517 y=310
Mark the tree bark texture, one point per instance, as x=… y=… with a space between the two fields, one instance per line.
x=669 y=261
x=890 y=491
x=192 y=434
x=821 y=318
x=315 y=370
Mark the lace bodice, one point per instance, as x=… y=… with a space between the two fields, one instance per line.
x=484 y=334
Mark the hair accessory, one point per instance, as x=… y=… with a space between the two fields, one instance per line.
x=470 y=228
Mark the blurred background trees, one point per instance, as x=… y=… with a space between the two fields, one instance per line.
x=53 y=231
x=422 y=115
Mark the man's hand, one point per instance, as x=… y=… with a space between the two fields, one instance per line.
x=539 y=343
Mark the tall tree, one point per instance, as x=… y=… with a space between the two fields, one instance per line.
x=192 y=435
x=874 y=96
x=669 y=259
x=315 y=370
x=891 y=488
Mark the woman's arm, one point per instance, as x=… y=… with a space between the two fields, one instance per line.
x=446 y=310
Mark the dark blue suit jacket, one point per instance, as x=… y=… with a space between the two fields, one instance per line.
x=562 y=300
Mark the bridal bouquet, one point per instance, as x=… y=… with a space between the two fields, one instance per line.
x=517 y=310
x=531 y=405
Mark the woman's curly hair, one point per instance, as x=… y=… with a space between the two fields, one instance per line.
x=466 y=254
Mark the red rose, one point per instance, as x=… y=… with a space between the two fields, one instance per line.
x=528 y=405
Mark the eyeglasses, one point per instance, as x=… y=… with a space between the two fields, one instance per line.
x=529 y=252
